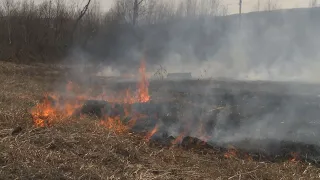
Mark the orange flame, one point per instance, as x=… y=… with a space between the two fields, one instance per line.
x=178 y=139
x=231 y=153
x=143 y=91
x=295 y=157
x=48 y=112
x=115 y=124
x=56 y=109
x=151 y=133
x=248 y=157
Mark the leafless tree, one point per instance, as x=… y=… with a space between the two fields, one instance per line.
x=257 y=6
x=82 y=13
x=136 y=7
x=46 y=31
x=132 y=10
x=271 y=5
x=8 y=6
x=198 y=8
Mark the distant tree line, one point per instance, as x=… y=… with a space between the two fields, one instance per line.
x=48 y=31
x=190 y=31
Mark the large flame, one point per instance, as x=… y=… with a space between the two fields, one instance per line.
x=143 y=91
x=54 y=108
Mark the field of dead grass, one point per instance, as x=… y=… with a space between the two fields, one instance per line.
x=82 y=149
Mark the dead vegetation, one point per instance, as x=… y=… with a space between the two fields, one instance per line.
x=48 y=32
x=83 y=149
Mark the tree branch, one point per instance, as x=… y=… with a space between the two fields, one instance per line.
x=140 y=2
x=82 y=13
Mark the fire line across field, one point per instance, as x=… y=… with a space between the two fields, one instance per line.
x=187 y=115
x=257 y=117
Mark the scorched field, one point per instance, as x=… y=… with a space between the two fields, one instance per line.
x=53 y=127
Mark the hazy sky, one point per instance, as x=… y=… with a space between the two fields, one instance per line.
x=233 y=5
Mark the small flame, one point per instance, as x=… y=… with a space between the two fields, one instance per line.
x=151 y=133
x=248 y=157
x=54 y=108
x=43 y=113
x=295 y=157
x=115 y=124
x=178 y=139
x=231 y=153
x=143 y=91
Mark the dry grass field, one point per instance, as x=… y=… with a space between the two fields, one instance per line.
x=83 y=149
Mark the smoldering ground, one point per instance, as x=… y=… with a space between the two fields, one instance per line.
x=270 y=46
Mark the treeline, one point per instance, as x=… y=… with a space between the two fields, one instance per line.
x=48 y=32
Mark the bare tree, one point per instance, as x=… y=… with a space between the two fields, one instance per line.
x=130 y=10
x=200 y=8
x=257 y=6
x=136 y=6
x=271 y=5
x=82 y=13
x=8 y=11
x=91 y=22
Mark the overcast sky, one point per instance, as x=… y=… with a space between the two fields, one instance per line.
x=233 y=5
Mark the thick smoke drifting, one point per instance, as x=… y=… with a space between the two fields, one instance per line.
x=273 y=46
x=278 y=46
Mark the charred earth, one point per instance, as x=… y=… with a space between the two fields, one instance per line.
x=269 y=120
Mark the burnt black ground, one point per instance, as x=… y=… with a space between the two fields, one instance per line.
x=83 y=149
x=230 y=112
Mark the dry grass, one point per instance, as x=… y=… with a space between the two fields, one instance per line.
x=84 y=150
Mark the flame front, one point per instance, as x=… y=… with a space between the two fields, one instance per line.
x=54 y=108
x=115 y=124
x=43 y=113
x=143 y=91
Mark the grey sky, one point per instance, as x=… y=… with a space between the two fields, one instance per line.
x=233 y=5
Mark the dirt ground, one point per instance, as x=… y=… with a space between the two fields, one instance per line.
x=83 y=149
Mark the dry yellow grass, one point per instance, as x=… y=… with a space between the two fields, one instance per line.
x=84 y=150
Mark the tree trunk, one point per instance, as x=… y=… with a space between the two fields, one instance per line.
x=82 y=13
x=135 y=12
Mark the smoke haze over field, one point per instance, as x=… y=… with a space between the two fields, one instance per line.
x=195 y=36
x=273 y=45
x=277 y=46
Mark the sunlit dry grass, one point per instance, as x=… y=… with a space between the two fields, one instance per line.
x=83 y=149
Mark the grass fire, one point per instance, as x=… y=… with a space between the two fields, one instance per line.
x=128 y=111
x=159 y=90
x=134 y=123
